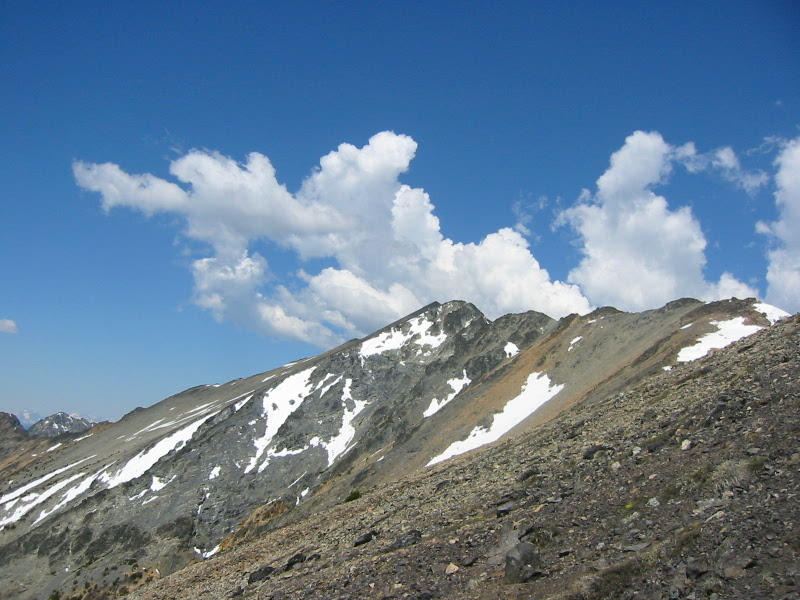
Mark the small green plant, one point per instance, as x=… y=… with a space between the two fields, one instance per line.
x=354 y=495
x=757 y=464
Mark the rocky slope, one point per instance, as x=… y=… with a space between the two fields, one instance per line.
x=683 y=486
x=202 y=472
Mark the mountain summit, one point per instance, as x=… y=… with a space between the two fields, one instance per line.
x=206 y=470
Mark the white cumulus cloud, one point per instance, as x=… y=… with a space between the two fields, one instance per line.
x=783 y=272
x=8 y=326
x=724 y=162
x=638 y=252
x=388 y=253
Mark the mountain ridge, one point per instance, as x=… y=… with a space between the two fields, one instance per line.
x=303 y=436
x=680 y=488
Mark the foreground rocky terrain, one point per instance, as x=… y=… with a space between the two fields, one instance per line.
x=683 y=486
x=349 y=474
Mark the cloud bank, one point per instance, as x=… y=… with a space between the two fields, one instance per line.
x=384 y=254
x=383 y=237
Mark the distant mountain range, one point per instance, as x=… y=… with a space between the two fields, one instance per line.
x=205 y=470
x=28 y=418
x=56 y=424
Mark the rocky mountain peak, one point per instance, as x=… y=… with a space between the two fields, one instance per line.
x=59 y=424
x=9 y=424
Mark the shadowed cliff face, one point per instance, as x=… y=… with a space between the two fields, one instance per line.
x=204 y=471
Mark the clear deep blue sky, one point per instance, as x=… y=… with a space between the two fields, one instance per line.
x=518 y=103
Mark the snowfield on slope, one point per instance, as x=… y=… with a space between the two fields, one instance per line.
x=536 y=391
x=456 y=385
x=278 y=403
x=142 y=462
x=728 y=332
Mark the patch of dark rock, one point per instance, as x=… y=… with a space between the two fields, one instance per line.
x=592 y=450
x=295 y=560
x=512 y=495
x=694 y=570
x=657 y=445
x=528 y=474
x=506 y=508
x=405 y=540
x=181 y=528
x=365 y=538
x=260 y=574
x=443 y=484
x=636 y=547
x=522 y=563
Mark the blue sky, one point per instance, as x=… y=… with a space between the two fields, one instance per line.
x=548 y=156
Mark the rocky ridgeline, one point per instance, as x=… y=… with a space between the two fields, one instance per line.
x=332 y=450
x=684 y=486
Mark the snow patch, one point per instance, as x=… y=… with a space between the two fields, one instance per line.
x=32 y=500
x=241 y=403
x=727 y=333
x=394 y=339
x=325 y=385
x=573 y=342
x=536 y=391
x=208 y=554
x=511 y=349
x=421 y=326
x=298 y=479
x=142 y=462
x=158 y=484
x=687 y=326
x=772 y=313
x=54 y=447
x=69 y=496
x=214 y=473
x=456 y=385
x=19 y=491
x=83 y=437
x=340 y=443
x=280 y=402
x=388 y=340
